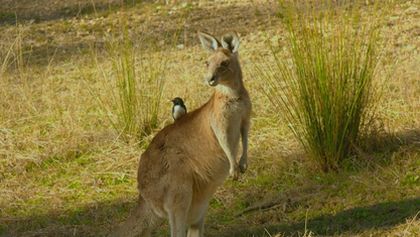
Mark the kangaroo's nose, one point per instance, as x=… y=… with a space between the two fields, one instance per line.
x=213 y=78
x=212 y=81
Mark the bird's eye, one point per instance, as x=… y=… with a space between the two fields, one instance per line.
x=225 y=63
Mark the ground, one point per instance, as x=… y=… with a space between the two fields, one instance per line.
x=64 y=170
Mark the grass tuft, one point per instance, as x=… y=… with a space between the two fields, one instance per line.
x=12 y=54
x=326 y=88
x=136 y=87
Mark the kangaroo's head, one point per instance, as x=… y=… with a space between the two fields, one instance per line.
x=223 y=65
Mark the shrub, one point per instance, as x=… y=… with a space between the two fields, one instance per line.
x=324 y=85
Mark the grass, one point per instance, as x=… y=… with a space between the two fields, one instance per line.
x=64 y=171
x=326 y=90
x=12 y=56
x=137 y=83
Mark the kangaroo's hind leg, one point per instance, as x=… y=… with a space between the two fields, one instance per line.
x=197 y=229
x=178 y=223
x=177 y=206
x=199 y=210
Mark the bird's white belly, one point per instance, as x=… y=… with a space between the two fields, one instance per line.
x=178 y=111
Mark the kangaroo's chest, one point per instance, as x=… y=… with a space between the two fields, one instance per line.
x=226 y=121
x=229 y=113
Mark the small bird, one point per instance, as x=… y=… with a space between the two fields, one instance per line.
x=179 y=109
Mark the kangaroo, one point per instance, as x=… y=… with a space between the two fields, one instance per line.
x=188 y=160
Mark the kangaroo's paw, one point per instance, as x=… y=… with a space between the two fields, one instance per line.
x=234 y=172
x=243 y=164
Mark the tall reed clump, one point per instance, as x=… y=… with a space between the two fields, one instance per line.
x=137 y=82
x=323 y=84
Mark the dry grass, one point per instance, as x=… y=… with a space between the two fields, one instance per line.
x=64 y=171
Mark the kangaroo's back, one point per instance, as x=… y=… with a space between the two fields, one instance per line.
x=187 y=146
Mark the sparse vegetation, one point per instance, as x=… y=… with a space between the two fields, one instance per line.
x=12 y=53
x=65 y=171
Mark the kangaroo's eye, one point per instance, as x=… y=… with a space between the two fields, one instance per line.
x=225 y=63
x=206 y=63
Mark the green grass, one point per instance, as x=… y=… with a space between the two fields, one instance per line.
x=326 y=89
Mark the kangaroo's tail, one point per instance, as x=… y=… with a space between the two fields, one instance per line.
x=140 y=223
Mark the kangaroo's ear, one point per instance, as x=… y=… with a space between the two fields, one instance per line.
x=231 y=41
x=208 y=41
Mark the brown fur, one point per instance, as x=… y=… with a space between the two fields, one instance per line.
x=187 y=160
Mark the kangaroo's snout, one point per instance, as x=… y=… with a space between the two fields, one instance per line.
x=212 y=80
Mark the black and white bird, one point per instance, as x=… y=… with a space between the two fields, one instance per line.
x=178 y=109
